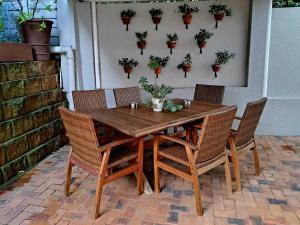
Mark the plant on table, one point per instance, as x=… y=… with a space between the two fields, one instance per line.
x=141 y=40
x=202 y=38
x=187 y=12
x=126 y=16
x=169 y=105
x=128 y=65
x=186 y=65
x=156 y=63
x=223 y=58
x=219 y=11
x=156 y=16
x=172 y=40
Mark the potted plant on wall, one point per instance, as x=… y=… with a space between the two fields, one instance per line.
x=156 y=63
x=158 y=93
x=156 y=16
x=141 y=40
x=173 y=38
x=186 y=65
x=219 y=12
x=187 y=12
x=126 y=16
x=223 y=57
x=128 y=65
x=202 y=38
x=35 y=30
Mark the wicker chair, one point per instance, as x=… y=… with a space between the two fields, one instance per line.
x=188 y=160
x=209 y=93
x=124 y=96
x=87 y=154
x=242 y=139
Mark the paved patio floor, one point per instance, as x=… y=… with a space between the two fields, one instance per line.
x=271 y=198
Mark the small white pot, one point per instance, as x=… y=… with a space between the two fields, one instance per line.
x=157 y=104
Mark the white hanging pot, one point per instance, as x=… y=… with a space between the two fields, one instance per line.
x=157 y=104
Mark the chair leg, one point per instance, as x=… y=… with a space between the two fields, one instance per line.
x=197 y=195
x=156 y=168
x=68 y=175
x=140 y=176
x=235 y=162
x=228 y=175
x=256 y=160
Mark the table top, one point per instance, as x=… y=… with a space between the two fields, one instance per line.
x=143 y=121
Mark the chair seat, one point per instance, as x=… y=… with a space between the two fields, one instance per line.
x=121 y=155
x=238 y=148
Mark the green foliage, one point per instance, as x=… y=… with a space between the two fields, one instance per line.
x=141 y=36
x=203 y=35
x=214 y=9
x=156 y=61
x=128 y=62
x=156 y=12
x=172 y=37
x=157 y=91
x=169 y=105
x=223 y=57
x=286 y=3
x=186 y=9
x=128 y=13
x=187 y=61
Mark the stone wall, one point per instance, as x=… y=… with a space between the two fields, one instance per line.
x=30 y=125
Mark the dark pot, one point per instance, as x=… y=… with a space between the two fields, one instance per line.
x=126 y=20
x=141 y=44
x=219 y=16
x=156 y=19
x=171 y=44
x=186 y=68
x=187 y=18
x=202 y=44
x=216 y=68
x=127 y=69
x=39 y=39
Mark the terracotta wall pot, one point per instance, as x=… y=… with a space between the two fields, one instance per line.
x=141 y=44
x=156 y=19
x=39 y=39
x=171 y=44
x=126 y=20
x=219 y=16
x=202 y=44
x=186 y=68
x=157 y=70
x=216 y=68
x=127 y=69
x=187 y=19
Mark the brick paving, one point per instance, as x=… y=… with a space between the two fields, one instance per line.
x=269 y=199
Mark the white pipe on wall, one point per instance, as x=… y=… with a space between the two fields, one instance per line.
x=96 y=44
x=69 y=52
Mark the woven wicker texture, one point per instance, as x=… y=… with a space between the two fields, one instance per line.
x=209 y=93
x=250 y=121
x=81 y=133
x=89 y=100
x=214 y=133
x=124 y=96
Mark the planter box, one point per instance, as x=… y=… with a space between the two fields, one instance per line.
x=15 y=52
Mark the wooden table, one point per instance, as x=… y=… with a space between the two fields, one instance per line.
x=143 y=121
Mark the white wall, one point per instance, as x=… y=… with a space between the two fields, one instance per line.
x=117 y=43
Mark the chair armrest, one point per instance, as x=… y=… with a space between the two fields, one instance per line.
x=178 y=141
x=238 y=118
x=199 y=126
x=116 y=143
x=233 y=132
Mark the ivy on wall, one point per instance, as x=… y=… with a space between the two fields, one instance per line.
x=286 y=3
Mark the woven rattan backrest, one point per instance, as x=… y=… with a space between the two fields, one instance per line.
x=89 y=100
x=124 y=96
x=214 y=134
x=81 y=133
x=250 y=121
x=209 y=93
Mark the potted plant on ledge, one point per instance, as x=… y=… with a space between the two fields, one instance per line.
x=186 y=65
x=223 y=57
x=128 y=65
x=126 y=16
x=141 y=40
x=156 y=63
x=156 y=16
x=187 y=12
x=219 y=12
x=201 y=38
x=173 y=38
x=158 y=93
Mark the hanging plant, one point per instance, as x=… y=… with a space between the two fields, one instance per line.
x=187 y=12
x=186 y=65
x=173 y=38
x=126 y=16
x=128 y=65
x=156 y=63
x=156 y=16
x=219 y=12
x=223 y=57
x=141 y=40
x=201 y=38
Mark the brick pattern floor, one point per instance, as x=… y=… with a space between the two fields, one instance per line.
x=269 y=199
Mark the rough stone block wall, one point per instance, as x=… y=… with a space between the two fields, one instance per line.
x=30 y=125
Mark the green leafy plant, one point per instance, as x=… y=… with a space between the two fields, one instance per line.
x=223 y=57
x=156 y=12
x=141 y=36
x=203 y=35
x=215 y=9
x=170 y=106
x=156 y=91
x=156 y=61
x=286 y=3
x=172 y=37
x=128 y=13
x=186 y=9
x=187 y=61
x=128 y=62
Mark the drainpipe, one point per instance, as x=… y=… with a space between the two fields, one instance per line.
x=69 y=53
